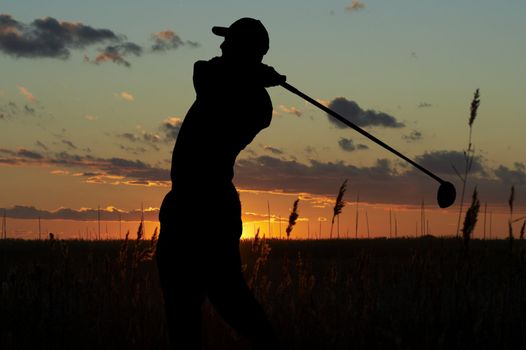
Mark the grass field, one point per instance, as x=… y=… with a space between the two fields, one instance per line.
x=427 y=293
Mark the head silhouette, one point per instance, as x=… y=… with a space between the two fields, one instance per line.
x=246 y=40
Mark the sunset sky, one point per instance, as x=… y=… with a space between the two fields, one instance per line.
x=92 y=95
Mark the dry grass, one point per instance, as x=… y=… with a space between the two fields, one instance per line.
x=324 y=294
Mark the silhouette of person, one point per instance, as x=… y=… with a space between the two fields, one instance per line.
x=198 y=248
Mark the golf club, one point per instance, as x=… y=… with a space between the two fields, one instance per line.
x=446 y=192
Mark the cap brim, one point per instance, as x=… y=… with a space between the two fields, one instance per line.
x=221 y=31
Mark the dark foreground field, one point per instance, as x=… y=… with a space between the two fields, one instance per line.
x=356 y=294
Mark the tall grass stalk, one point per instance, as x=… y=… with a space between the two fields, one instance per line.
x=338 y=206
x=510 y=220
x=293 y=217
x=471 y=219
x=357 y=216
x=468 y=155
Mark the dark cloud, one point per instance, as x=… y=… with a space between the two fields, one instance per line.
x=107 y=214
x=348 y=145
x=29 y=154
x=133 y=150
x=168 y=131
x=7 y=152
x=445 y=162
x=380 y=183
x=129 y=136
x=413 y=136
x=515 y=176
x=129 y=170
x=273 y=150
x=70 y=144
x=145 y=137
x=424 y=105
x=9 y=110
x=192 y=44
x=171 y=128
x=51 y=38
x=48 y=37
x=29 y=109
x=41 y=145
x=167 y=40
x=363 y=118
x=116 y=54
x=317 y=177
x=311 y=151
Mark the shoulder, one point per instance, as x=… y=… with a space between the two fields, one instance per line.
x=204 y=65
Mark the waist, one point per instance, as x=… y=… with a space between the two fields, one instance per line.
x=192 y=201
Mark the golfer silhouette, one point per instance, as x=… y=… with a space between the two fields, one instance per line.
x=198 y=249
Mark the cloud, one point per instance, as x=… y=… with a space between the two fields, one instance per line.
x=133 y=150
x=28 y=95
x=9 y=110
x=273 y=150
x=144 y=137
x=29 y=110
x=113 y=170
x=126 y=96
x=48 y=37
x=167 y=134
x=166 y=40
x=424 y=105
x=413 y=136
x=51 y=38
x=69 y=144
x=349 y=146
x=355 y=5
x=363 y=118
x=291 y=110
x=83 y=214
x=171 y=127
x=41 y=145
x=515 y=176
x=382 y=182
x=29 y=154
x=310 y=151
x=116 y=54
x=322 y=178
x=442 y=162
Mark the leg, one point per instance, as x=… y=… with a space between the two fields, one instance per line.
x=183 y=294
x=229 y=294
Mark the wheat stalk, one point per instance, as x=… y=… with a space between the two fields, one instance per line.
x=340 y=203
x=510 y=220
x=293 y=217
x=471 y=218
x=468 y=154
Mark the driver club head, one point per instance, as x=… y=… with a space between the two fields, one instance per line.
x=446 y=194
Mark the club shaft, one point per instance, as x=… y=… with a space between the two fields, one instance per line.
x=358 y=129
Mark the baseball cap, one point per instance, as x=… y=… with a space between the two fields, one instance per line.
x=247 y=32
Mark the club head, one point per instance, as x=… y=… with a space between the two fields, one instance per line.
x=446 y=194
